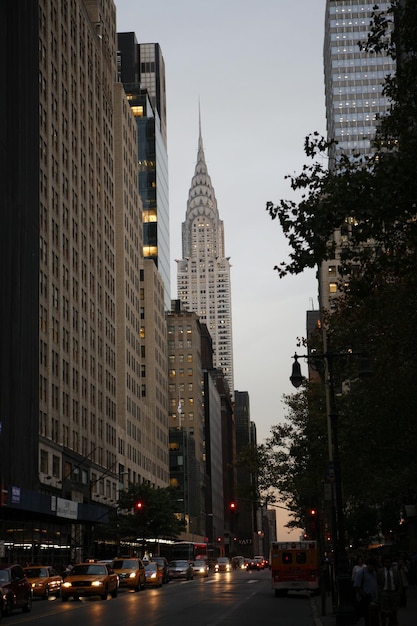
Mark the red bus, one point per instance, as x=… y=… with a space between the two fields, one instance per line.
x=189 y=550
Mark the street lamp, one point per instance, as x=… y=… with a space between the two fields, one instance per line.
x=345 y=614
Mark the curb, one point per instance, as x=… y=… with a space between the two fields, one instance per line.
x=315 y=613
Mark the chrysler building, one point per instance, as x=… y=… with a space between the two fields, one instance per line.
x=203 y=277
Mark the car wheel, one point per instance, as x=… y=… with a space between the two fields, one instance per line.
x=46 y=594
x=114 y=593
x=27 y=607
x=138 y=587
x=104 y=595
x=64 y=598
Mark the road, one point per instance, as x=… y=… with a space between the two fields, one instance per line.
x=239 y=598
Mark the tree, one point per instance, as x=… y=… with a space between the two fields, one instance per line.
x=375 y=196
x=293 y=460
x=156 y=517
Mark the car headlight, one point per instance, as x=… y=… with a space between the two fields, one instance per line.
x=97 y=583
x=132 y=575
x=66 y=584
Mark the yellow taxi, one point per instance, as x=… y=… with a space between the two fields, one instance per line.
x=44 y=580
x=131 y=573
x=90 y=579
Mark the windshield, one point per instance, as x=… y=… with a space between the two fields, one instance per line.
x=98 y=570
x=36 y=572
x=151 y=567
x=125 y=564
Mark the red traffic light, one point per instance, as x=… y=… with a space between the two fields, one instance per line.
x=313 y=512
x=233 y=506
x=138 y=506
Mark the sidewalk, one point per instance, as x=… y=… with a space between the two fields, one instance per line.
x=406 y=616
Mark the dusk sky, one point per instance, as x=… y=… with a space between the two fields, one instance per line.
x=257 y=73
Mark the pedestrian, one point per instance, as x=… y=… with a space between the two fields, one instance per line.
x=403 y=571
x=389 y=588
x=366 y=590
x=357 y=567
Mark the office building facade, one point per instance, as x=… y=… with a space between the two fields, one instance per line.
x=78 y=412
x=354 y=99
x=141 y=69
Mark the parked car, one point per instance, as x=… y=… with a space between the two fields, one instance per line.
x=44 y=580
x=222 y=564
x=162 y=561
x=154 y=574
x=131 y=573
x=15 y=589
x=90 y=579
x=180 y=569
x=200 y=568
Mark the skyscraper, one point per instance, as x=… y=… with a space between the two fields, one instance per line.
x=203 y=277
x=141 y=69
x=354 y=99
x=83 y=335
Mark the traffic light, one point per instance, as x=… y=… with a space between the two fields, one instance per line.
x=233 y=506
x=138 y=506
x=313 y=523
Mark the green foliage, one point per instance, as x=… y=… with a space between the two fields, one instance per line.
x=155 y=519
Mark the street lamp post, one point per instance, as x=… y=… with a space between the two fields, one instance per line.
x=345 y=614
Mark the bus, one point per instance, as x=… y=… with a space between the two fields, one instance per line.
x=189 y=550
x=294 y=566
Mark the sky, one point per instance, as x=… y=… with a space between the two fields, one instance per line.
x=256 y=73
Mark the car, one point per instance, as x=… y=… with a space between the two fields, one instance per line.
x=131 y=573
x=45 y=580
x=222 y=564
x=253 y=564
x=15 y=589
x=200 y=568
x=162 y=561
x=154 y=574
x=90 y=579
x=261 y=560
x=238 y=562
x=180 y=569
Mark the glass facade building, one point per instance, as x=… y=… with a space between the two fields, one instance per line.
x=354 y=100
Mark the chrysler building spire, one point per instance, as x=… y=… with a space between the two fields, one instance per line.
x=204 y=271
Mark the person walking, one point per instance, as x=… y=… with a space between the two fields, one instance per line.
x=403 y=571
x=365 y=585
x=389 y=587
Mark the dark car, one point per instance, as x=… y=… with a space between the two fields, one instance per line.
x=163 y=563
x=180 y=569
x=153 y=573
x=253 y=564
x=15 y=589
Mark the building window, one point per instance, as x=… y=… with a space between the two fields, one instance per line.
x=55 y=466
x=44 y=461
